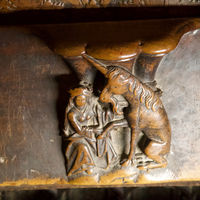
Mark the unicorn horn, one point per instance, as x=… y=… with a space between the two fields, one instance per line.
x=100 y=66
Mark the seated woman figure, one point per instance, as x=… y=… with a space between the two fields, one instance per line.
x=84 y=121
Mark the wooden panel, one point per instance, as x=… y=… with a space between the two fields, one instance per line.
x=34 y=87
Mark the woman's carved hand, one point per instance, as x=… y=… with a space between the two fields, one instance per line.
x=100 y=137
x=86 y=131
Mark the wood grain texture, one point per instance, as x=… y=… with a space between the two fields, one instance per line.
x=33 y=84
x=115 y=40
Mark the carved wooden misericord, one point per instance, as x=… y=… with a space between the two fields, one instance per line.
x=98 y=104
x=90 y=141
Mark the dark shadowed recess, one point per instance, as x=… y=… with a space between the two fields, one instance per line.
x=97 y=14
x=144 y=193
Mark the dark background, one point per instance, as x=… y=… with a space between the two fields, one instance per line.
x=151 y=193
x=94 y=15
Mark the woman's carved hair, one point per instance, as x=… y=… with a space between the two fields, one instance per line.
x=139 y=89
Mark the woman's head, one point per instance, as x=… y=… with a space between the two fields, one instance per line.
x=80 y=94
x=80 y=100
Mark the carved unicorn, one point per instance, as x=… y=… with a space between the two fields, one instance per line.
x=145 y=112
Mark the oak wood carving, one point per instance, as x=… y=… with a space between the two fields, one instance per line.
x=145 y=112
x=100 y=104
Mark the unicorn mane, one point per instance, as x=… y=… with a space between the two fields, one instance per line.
x=144 y=93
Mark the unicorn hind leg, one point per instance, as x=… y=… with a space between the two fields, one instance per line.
x=155 y=152
x=158 y=147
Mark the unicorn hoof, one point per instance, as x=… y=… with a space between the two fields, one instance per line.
x=89 y=171
x=126 y=163
x=142 y=168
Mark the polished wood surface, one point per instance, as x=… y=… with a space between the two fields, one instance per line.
x=39 y=65
x=116 y=40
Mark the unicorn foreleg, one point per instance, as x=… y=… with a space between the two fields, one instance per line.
x=134 y=136
x=132 y=118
